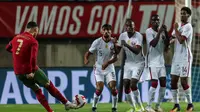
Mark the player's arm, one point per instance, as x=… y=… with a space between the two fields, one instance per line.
x=172 y=38
x=117 y=48
x=9 y=47
x=154 y=42
x=166 y=41
x=180 y=38
x=112 y=60
x=118 y=44
x=91 y=50
x=86 y=57
x=135 y=49
x=34 y=52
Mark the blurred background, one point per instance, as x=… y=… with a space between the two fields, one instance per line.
x=68 y=27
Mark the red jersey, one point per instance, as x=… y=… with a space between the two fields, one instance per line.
x=24 y=48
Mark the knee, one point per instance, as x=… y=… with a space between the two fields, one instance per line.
x=98 y=92
x=174 y=85
x=112 y=87
x=37 y=91
x=134 y=86
x=49 y=83
x=99 y=88
x=127 y=90
x=154 y=83
x=114 y=91
x=126 y=84
x=162 y=82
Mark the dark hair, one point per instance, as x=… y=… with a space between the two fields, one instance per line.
x=31 y=24
x=187 y=9
x=129 y=20
x=154 y=15
x=107 y=27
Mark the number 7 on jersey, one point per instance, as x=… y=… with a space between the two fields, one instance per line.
x=19 y=46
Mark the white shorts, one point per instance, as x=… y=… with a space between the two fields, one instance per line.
x=108 y=77
x=131 y=71
x=157 y=72
x=181 y=70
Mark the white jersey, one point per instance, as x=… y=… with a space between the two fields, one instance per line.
x=104 y=52
x=154 y=57
x=182 y=52
x=136 y=39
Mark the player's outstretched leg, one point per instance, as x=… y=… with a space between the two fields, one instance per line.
x=41 y=98
x=99 y=88
x=174 y=91
x=136 y=94
x=152 y=90
x=30 y=83
x=42 y=80
x=161 y=95
x=114 y=92
x=186 y=88
x=128 y=93
x=56 y=93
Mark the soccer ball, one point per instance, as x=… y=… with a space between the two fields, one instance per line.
x=79 y=100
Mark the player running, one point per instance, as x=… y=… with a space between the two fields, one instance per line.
x=182 y=59
x=24 y=49
x=131 y=42
x=157 y=41
x=104 y=67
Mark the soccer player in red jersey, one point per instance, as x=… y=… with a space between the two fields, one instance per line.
x=24 y=49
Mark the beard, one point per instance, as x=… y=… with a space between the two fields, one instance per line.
x=106 y=36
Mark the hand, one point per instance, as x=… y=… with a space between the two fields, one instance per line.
x=86 y=61
x=123 y=42
x=114 y=40
x=30 y=76
x=104 y=66
x=176 y=26
x=163 y=28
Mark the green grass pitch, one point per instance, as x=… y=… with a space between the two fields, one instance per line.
x=102 y=107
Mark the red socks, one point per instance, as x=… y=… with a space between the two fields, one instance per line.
x=41 y=98
x=55 y=93
x=98 y=92
x=154 y=84
x=186 y=86
x=114 y=92
x=127 y=91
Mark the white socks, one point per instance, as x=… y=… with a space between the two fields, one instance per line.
x=161 y=95
x=151 y=96
x=175 y=96
x=114 y=101
x=188 y=95
x=129 y=98
x=95 y=100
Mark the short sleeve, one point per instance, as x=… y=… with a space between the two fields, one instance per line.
x=140 y=39
x=93 y=47
x=187 y=30
x=149 y=36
